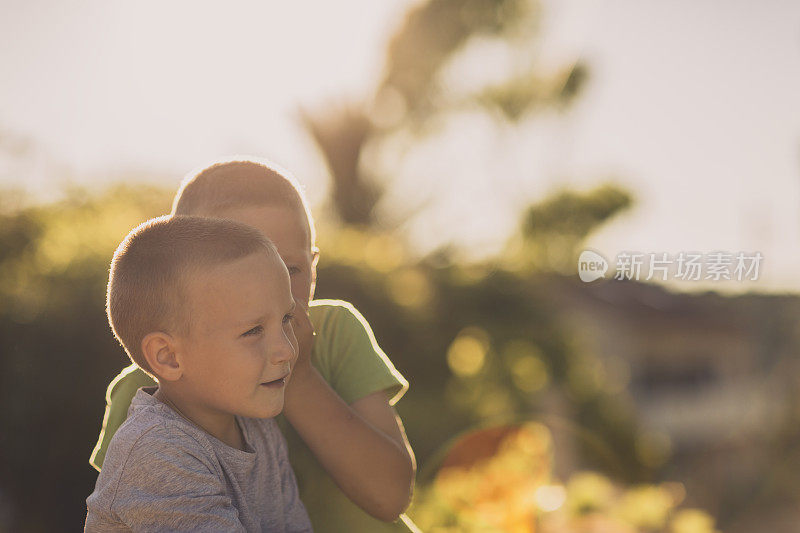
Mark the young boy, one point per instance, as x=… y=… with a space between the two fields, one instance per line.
x=205 y=306
x=353 y=462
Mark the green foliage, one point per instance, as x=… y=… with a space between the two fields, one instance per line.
x=521 y=95
x=553 y=229
x=574 y=214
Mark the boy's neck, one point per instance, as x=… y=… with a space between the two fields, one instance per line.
x=222 y=426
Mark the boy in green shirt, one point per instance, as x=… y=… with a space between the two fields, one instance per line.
x=343 y=433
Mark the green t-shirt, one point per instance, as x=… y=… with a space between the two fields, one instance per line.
x=347 y=356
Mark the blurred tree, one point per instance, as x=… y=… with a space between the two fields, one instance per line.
x=340 y=136
x=553 y=230
x=411 y=96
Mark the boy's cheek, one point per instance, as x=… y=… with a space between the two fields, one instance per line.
x=302 y=295
x=302 y=288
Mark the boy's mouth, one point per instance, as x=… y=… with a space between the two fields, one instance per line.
x=276 y=383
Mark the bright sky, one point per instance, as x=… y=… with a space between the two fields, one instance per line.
x=691 y=104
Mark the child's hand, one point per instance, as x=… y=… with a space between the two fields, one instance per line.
x=304 y=331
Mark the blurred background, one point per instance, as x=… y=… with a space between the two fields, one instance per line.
x=459 y=155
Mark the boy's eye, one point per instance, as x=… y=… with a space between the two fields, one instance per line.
x=255 y=331
x=293 y=270
x=288 y=318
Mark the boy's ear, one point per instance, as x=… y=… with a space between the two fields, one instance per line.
x=160 y=352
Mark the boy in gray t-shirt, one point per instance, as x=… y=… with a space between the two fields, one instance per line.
x=205 y=306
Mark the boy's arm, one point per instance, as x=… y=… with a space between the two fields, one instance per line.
x=362 y=446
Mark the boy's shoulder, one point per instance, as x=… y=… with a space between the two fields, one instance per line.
x=162 y=472
x=154 y=434
x=151 y=452
x=337 y=318
x=327 y=309
x=152 y=431
x=347 y=354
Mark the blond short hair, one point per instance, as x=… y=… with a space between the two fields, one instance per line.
x=151 y=269
x=240 y=182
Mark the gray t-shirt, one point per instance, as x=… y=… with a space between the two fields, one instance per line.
x=162 y=473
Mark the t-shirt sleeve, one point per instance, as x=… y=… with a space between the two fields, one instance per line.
x=359 y=366
x=119 y=394
x=166 y=485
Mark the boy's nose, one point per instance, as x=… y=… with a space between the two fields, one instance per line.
x=282 y=350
